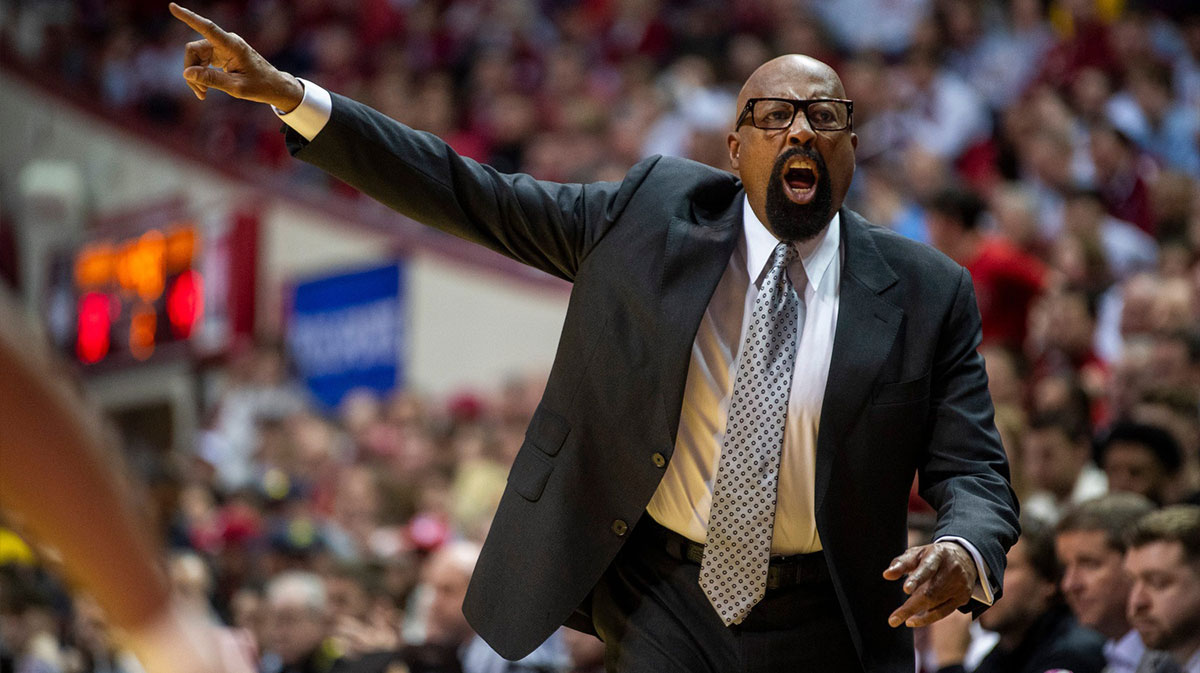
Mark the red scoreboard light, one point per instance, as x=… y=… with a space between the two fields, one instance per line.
x=95 y=321
x=185 y=303
x=137 y=293
x=155 y=285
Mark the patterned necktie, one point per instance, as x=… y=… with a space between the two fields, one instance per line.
x=733 y=573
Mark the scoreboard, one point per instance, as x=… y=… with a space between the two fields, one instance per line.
x=137 y=293
x=160 y=284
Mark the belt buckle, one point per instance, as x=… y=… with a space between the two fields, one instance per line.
x=773 y=577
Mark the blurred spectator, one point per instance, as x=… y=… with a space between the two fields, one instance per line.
x=1187 y=61
x=1090 y=544
x=443 y=587
x=1119 y=177
x=1164 y=606
x=1086 y=44
x=192 y=583
x=94 y=650
x=1127 y=250
x=1141 y=459
x=997 y=55
x=942 y=114
x=1147 y=112
x=1126 y=311
x=1006 y=279
x=1014 y=211
x=27 y=624
x=890 y=29
x=1175 y=355
x=1037 y=632
x=297 y=627
x=1057 y=462
x=1061 y=344
x=1174 y=410
x=258 y=394
x=365 y=618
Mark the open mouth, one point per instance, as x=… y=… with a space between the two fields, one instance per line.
x=799 y=177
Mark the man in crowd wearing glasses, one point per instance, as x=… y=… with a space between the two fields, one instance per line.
x=748 y=378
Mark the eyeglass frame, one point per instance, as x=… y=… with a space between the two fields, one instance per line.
x=797 y=104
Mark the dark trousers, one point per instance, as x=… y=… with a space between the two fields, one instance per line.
x=654 y=618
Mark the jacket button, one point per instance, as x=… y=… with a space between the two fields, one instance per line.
x=659 y=460
x=619 y=527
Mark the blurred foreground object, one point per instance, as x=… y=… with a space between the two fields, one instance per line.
x=54 y=443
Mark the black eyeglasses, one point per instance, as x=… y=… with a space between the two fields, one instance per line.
x=823 y=114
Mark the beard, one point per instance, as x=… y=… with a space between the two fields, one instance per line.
x=798 y=222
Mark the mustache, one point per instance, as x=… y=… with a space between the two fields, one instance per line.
x=801 y=151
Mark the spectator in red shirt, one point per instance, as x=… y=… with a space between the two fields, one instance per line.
x=1122 y=188
x=1007 y=280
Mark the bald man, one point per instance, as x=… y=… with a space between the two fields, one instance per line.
x=748 y=378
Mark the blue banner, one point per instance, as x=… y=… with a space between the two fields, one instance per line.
x=348 y=332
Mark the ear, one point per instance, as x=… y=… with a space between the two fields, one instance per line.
x=854 y=140
x=735 y=144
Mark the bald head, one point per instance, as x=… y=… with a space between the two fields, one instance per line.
x=791 y=76
x=796 y=177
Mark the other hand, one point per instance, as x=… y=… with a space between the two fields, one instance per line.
x=941 y=577
x=225 y=62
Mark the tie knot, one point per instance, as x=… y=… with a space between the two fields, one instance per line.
x=785 y=253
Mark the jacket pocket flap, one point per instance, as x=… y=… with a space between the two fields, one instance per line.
x=529 y=473
x=904 y=391
x=547 y=431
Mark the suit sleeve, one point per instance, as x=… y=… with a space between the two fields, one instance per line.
x=964 y=474
x=547 y=225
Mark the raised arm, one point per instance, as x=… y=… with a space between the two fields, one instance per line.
x=547 y=225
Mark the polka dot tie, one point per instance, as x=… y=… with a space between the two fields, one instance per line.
x=733 y=572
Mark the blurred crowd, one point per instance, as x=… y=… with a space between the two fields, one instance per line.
x=1051 y=147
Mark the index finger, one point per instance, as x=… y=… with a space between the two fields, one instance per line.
x=201 y=25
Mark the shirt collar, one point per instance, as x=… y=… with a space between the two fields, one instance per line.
x=816 y=255
x=1127 y=649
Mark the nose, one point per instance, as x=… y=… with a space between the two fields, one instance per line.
x=1137 y=600
x=800 y=133
x=1070 y=580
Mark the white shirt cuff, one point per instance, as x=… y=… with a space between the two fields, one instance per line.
x=313 y=112
x=983 y=584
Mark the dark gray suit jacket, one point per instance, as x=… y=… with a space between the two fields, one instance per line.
x=906 y=394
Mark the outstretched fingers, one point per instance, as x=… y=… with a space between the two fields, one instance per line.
x=933 y=614
x=939 y=581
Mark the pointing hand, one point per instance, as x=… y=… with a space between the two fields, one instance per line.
x=225 y=62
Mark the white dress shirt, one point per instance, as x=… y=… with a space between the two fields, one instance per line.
x=1124 y=654
x=684 y=496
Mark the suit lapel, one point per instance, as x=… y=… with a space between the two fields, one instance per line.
x=867 y=325
x=696 y=256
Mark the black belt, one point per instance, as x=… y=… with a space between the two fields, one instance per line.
x=784 y=571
